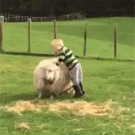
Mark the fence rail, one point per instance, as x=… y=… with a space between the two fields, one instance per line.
x=18 y=18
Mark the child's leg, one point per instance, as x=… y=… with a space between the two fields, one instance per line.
x=74 y=74
x=81 y=78
x=82 y=87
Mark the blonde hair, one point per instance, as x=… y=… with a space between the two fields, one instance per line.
x=57 y=43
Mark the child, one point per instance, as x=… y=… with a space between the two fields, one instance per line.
x=66 y=56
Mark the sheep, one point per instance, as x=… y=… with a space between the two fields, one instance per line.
x=50 y=79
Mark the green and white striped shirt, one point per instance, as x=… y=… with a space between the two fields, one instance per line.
x=67 y=57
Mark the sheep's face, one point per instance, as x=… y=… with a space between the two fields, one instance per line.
x=51 y=74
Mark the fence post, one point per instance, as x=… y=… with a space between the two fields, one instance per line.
x=55 y=29
x=85 y=39
x=115 y=41
x=1 y=32
x=29 y=28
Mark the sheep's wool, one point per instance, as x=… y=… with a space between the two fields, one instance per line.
x=50 y=79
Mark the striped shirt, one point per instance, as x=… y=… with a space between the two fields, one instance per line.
x=67 y=57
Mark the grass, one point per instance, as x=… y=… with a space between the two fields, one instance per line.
x=104 y=82
x=100 y=37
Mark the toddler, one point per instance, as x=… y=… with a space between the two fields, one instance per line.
x=67 y=57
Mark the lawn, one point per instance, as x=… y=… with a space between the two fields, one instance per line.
x=107 y=82
x=100 y=37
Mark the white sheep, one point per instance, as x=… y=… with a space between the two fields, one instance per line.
x=50 y=79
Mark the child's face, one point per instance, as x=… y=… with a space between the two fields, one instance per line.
x=56 y=48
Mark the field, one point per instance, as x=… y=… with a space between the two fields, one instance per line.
x=100 y=37
x=108 y=106
x=107 y=83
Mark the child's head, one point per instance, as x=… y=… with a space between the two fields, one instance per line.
x=57 y=45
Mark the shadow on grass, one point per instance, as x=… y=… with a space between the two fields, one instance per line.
x=10 y=97
x=7 y=98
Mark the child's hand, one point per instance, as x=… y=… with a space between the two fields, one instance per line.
x=57 y=63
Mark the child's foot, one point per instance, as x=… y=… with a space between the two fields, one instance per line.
x=77 y=91
x=83 y=92
x=79 y=94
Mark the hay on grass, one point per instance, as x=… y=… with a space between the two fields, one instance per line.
x=81 y=108
x=76 y=107
x=22 y=106
x=22 y=126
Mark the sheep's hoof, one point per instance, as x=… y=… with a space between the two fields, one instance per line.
x=39 y=95
x=51 y=97
x=71 y=92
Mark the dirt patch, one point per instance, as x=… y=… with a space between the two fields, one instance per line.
x=76 y=107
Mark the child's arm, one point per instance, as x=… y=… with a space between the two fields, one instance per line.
x=61 y=58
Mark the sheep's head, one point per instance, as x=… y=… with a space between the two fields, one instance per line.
x=52 y=73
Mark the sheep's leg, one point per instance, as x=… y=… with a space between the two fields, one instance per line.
x=68 y=87
x=51 y=97
x=66 y=90
x=41 y=89
x=43 y=93
x=69 y=90
x=40 y=93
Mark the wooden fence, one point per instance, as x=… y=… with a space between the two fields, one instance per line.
x=55 y=36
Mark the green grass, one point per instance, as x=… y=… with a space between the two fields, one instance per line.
x=100 y=37
x=104 y=82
